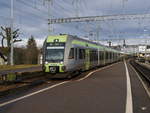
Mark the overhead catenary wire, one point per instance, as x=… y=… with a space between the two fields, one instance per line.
x=31 y=13
x=66 y=11
x=17 y=9
x=67 y=8
x=31 y=6
x=27 y=12
x=7 y=5
x=8 y=18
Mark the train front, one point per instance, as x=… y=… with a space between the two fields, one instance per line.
x=53 y=54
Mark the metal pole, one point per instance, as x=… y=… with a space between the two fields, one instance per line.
x=50 y=29
x=49 y=15
x=12 y=46
x=97 y=42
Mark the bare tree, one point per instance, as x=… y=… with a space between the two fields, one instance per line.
x=6 y=35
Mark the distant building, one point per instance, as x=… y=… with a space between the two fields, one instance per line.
x=130 y=49
x=118 y=47
x=144 y=49
x=140 y=50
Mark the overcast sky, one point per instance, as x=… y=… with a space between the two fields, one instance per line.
x=30 y=16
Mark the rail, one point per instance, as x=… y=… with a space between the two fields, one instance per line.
x=145 y=72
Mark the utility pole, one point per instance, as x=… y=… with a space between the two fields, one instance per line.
x=76 y=5
x=109 y=43
x=123 y=5
x=87 y=29
x=98 y=28
x=49 y=14
x=12 y=44
x=124 y=43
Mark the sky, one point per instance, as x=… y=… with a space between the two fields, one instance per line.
x=30 y=16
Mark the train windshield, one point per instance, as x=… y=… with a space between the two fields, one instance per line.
x=55 y=54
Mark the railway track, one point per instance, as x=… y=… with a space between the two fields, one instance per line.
x=25 y=85
x=143 y=71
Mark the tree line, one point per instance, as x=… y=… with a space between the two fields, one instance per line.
x=22 y=55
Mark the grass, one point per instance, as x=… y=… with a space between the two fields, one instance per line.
x=9 y=67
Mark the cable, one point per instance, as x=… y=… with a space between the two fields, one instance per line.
x=84 y=6
x=4 y=4
x=8 y=18
x=58 y=5
x=23 y=12
x=29 y=5
x=18 y=9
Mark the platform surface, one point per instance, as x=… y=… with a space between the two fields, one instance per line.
x=106 y=90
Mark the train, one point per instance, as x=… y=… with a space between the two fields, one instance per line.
x=64 y=55
x=143 y=57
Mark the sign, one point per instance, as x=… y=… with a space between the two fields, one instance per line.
x=55 y=47
x=52 y=44
x=142 y=48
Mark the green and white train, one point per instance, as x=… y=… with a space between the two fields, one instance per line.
x=69 y=54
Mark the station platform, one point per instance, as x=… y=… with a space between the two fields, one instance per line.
x=21 y=70
x=112 y=89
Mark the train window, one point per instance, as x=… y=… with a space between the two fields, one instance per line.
x=116 y=55
x=93 y=55
x=76 y=53
x=110 y=55
x=106 y=55
x=148 y=47
x=101 y=55
x=71 y=53
x=113 y=55
x=81 y=54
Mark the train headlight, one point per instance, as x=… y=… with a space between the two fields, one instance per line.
x=46 y=62
x=63 y=68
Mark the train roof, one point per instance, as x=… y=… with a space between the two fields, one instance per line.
x=63 y=38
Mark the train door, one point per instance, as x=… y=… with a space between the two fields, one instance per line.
x=87 y=59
